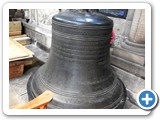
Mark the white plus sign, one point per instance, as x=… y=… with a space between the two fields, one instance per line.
x=147 y=99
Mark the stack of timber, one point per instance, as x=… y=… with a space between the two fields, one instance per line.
x=19 y=56
x=15 y=28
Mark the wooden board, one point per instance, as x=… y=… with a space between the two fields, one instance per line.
x=25 y=62
x=13 y=33
x=16 y=68
x=40 y=102
x=19 y=56
x=15 y=26
x=18 y=52
x=18 y=36
x=22 y=39
x=16 y=71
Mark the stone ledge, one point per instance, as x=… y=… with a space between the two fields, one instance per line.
x=125 y=54
x=132 y=83
x=38 y=33
x=40 y=54
x=38 y=28
x=128 y=66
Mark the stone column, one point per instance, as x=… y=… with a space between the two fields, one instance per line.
x=138 y=27
x=128 y=59
x=136 y=41
x=131 y=55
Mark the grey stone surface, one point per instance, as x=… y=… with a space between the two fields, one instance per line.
x=42 y=17
x=127 y=28
x=135 y=49
x=132 y=83
x=13 y=97
x=18 y=88
x=130 y=14
x=127 y=55
x=39 y=33
x=45 y=15
x=32 y=14
x=137 y=32
x=128 y=66
x=118 y=40
x=121 y=26
x=38 y=53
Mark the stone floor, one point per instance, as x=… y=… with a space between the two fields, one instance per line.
x=18 y=86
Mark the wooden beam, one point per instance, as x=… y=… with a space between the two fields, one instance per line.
x=13 y=33
x=39 y=102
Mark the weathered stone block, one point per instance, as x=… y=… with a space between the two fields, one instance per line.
x=137 y=33
x=39 y=33
x=127 y=55
x=134 y=48
x=132 y=83
x=128 y=66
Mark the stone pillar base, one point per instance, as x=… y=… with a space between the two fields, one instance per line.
x=128 y=55
x=138 y=49
x=128 y=64
x=132 y=83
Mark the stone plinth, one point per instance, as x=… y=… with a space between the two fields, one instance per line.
x=128 y=59
x=138 y=27
x=130 y=56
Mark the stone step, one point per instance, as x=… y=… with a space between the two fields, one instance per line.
x=126 y=65
x=132 y=83
x=125 y=54
x=40 y=54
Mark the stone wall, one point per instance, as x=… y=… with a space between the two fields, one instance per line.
x=122 y=27
x=39 y=25
x=128 y=59
x=42 y=18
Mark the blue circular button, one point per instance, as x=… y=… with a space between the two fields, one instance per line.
x=147 y=99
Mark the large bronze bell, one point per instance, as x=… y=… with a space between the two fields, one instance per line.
x=78 y=70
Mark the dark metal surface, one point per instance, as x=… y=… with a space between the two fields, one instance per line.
x=78 y=70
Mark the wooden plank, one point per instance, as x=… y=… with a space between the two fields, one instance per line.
x=16 y=68
x=15 y=26
x=23 y=40
x=17 y=51
x=18 y=36
x=24 y=48
x=39 y=102
x=20 y=58
x=24 y=62
x=13 y=33
x=16 y=71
